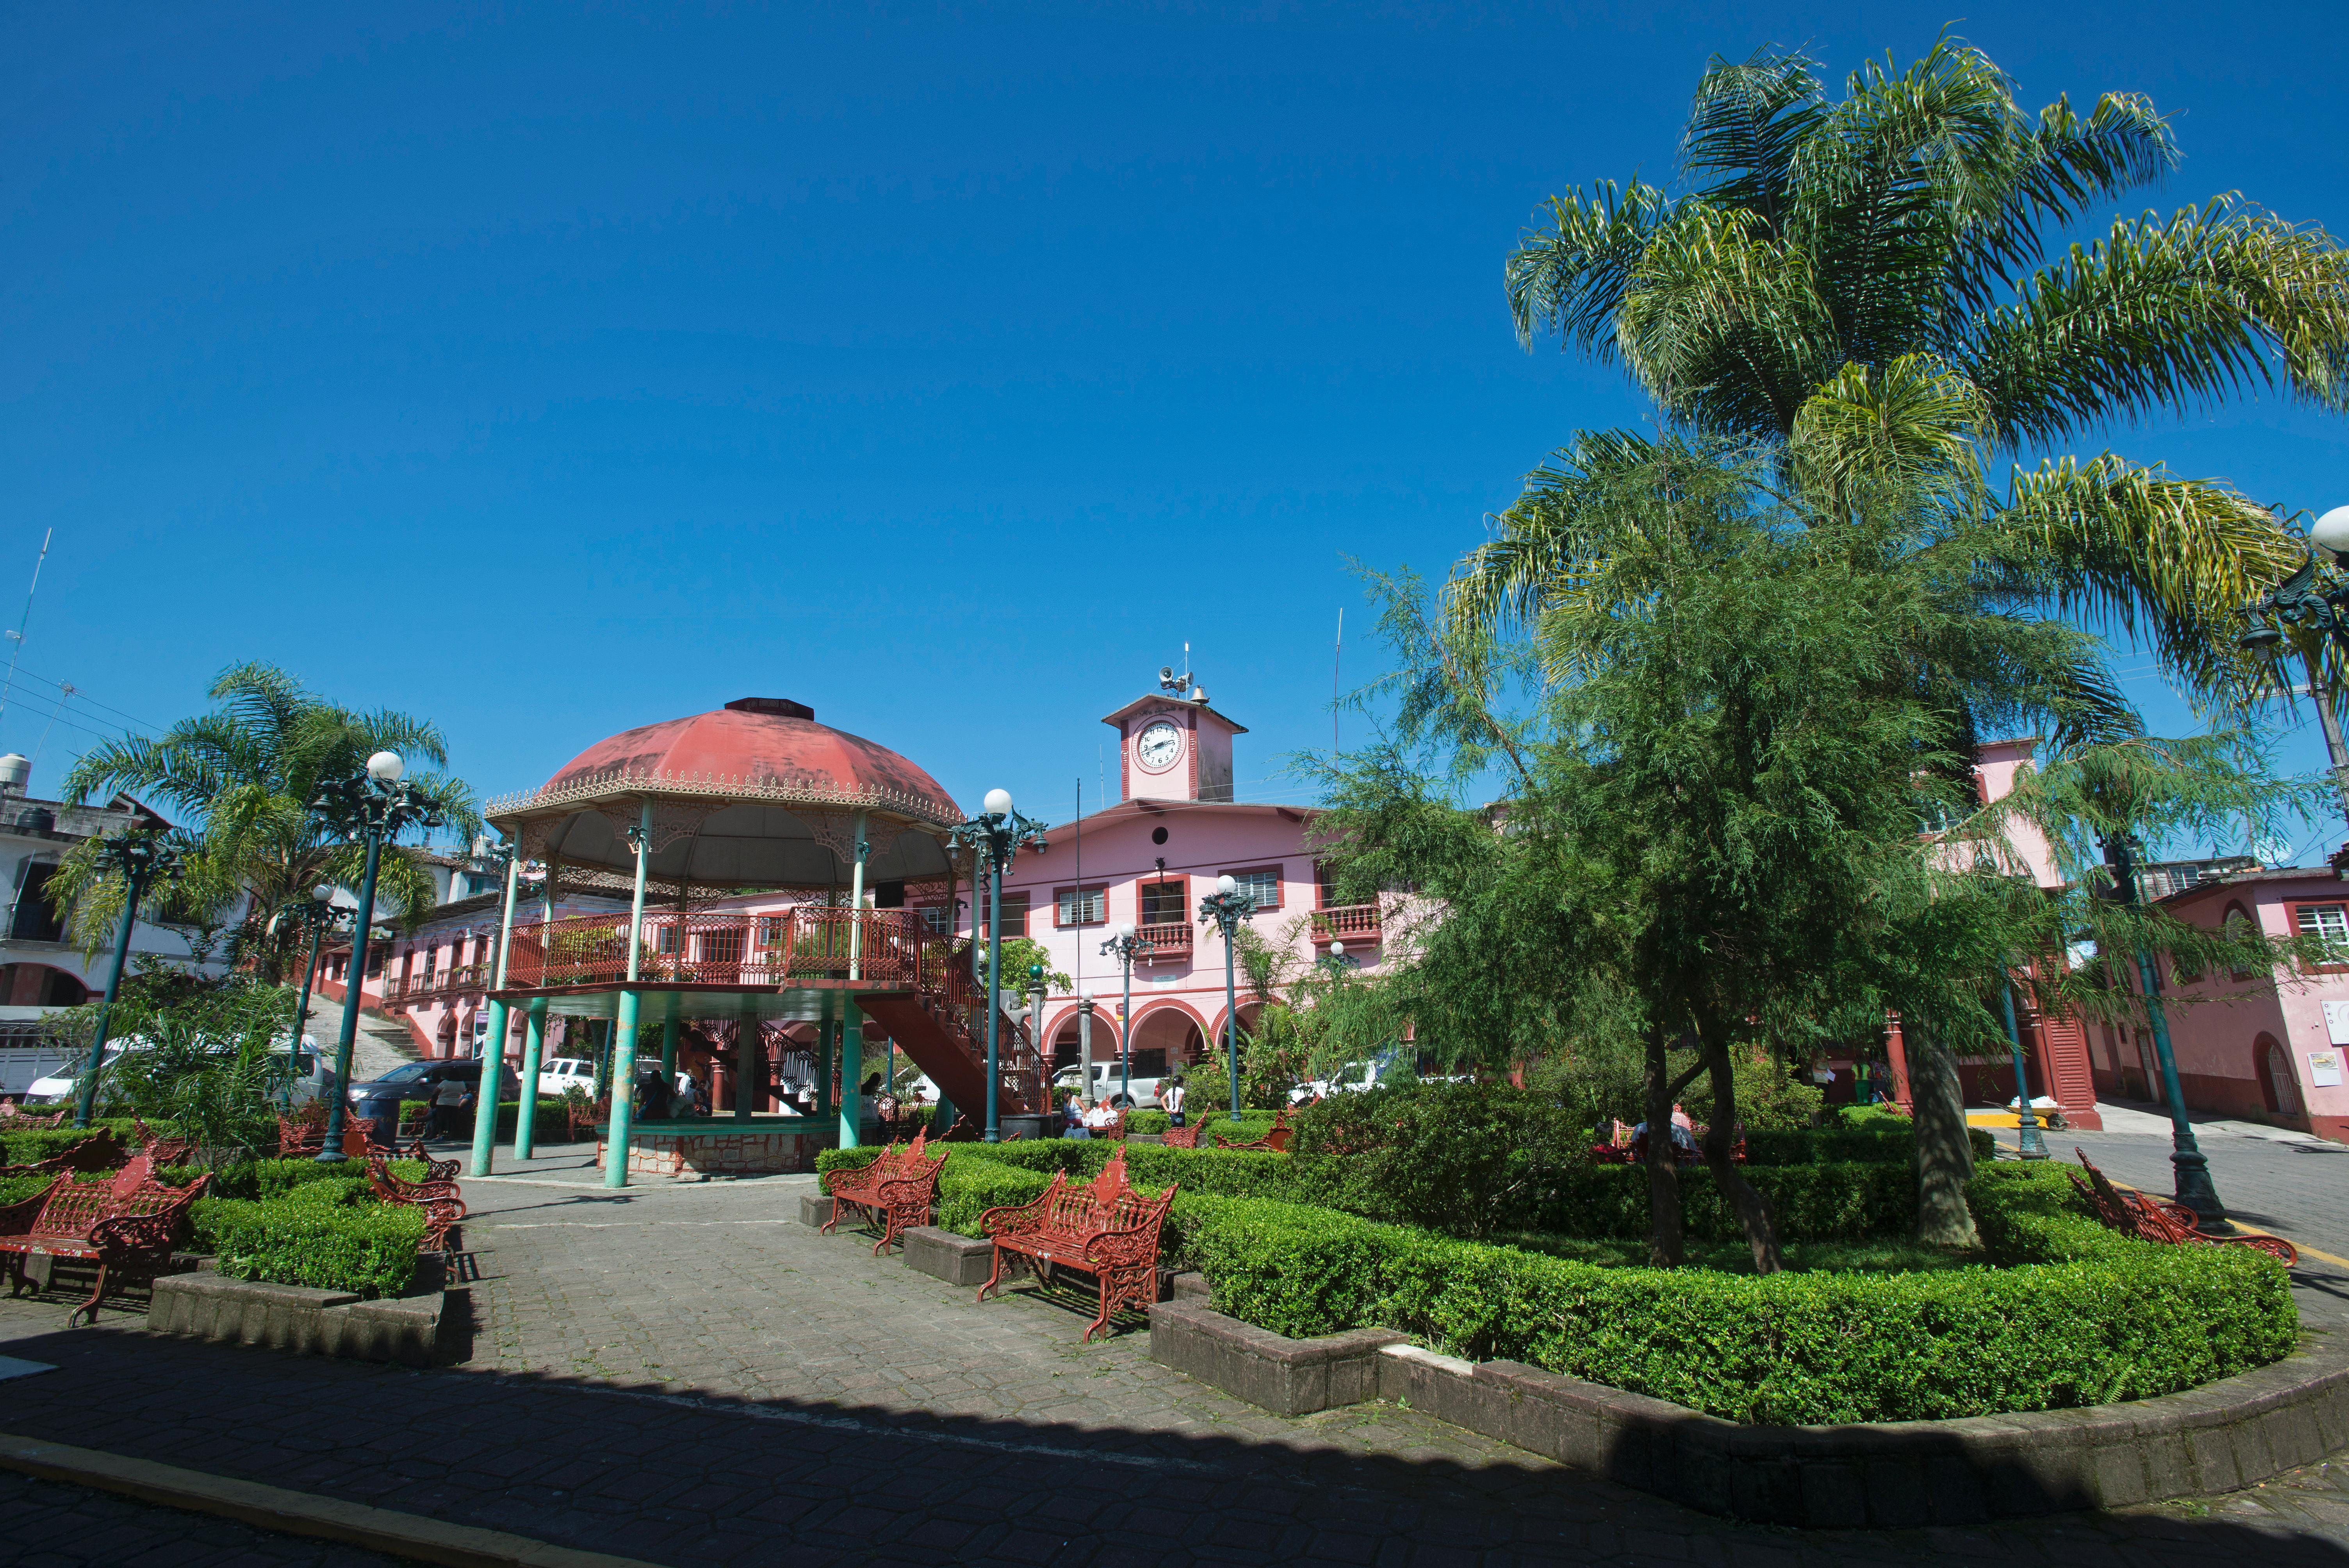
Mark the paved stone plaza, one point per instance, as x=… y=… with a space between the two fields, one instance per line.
x=682 y=1373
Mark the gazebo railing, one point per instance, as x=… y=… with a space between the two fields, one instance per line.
x=731 y=949
x=737 y=950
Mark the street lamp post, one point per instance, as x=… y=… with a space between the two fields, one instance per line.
x=2028 y=1143
x=2313 y=598
x=139 y=857
x=1125 y=944
x=371 y=806
x=319 y=914
x=2191 y=1166
x=996 y=834
x=1227 y=906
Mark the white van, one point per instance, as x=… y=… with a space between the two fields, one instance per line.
x=557 y=1074
x=1109 y=1086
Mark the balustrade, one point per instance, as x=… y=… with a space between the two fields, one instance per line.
x=1346 y=922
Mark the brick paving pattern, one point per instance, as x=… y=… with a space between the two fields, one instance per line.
x=683 y=1373
x=47 y=1524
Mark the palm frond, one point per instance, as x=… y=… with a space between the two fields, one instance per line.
x=2167 y=315
x=1748 y=119
x=1570 y=277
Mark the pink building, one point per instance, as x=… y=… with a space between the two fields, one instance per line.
x=1150 y=859
x=2273 y=1057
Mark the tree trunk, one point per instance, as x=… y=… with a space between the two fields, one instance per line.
x=1945 y=1157
x=1754 y=1214
x=1664 y=1244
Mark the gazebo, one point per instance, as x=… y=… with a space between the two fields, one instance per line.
x=756 y=797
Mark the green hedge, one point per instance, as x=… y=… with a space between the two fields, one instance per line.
x=1811 y=1202
x=34 y=1144
x=2087 y=1317
x=1878 y=1140
x=1253 y=1124
x=317 y=1237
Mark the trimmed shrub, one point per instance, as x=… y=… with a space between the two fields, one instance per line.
x=2106 y=1318
x=266 y=1179
x=1890 y=1140
x=365 y=1248
x=16 y=1189
x=1472 y=1159
x=1253 y=1124
x=971 y=1184
x=32 y=1145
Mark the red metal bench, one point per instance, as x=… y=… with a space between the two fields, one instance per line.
x=128 y=1226
x=158 y=1149
x=2160 y=1220
x=443 y=1204
x=434 y=1170
x=1275 y=1141
x=893 y=1193
x=1103 y=1227
x=1183 y=1137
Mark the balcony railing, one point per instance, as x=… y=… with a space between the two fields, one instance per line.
x=739 y=951
x=439 y=982
x=1169 y=940
x=1346 y=923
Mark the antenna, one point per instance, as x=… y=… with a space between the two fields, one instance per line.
x=16 y=638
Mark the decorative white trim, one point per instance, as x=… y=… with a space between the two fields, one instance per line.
x=597 y=788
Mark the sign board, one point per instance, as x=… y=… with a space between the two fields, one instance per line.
x=2324 y=1068
x=2336 y=1023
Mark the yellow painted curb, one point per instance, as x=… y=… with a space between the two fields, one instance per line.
x=275 y=1507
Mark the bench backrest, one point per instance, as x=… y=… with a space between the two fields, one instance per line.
x=2131 y=1217
x=70 y=1208
x=1107 y=1203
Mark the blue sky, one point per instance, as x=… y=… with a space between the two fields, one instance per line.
x=548 y=370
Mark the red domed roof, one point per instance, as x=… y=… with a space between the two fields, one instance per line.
x=768 y=747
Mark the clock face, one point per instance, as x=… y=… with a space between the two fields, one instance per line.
x=1160 y=745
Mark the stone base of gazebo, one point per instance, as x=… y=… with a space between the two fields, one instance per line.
x=721 y=1146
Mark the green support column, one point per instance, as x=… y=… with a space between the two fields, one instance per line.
x=623 y=1079
x=824 y=1035
x=750 y=1061
x=533 y=1041
x=852 y=1074
x=624 y=1095
x=493 y=1045
x=669 y=1052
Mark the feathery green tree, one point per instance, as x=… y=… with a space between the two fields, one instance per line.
x=241 y=778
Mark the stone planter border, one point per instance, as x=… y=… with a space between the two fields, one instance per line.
x=204 y=1304
x=1882 y=1475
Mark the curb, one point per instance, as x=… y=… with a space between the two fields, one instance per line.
x=286 y=1512
x=2221 y=1437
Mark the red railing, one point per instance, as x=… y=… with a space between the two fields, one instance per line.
x=732 y=951
x=1346 y=922
x=729 y=950
x=1169 y=939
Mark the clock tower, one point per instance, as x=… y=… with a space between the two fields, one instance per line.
x=1173 y=748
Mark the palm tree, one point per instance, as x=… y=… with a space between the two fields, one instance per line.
x=243 y=776
x=1862 y=291
x=1868 y=282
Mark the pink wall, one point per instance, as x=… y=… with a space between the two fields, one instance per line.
x=2215 y=1024
x=1204 y=840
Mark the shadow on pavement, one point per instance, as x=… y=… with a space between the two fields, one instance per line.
x=671 y=1476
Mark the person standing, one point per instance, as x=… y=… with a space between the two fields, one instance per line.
x=448 y=1101
x=1171 y=1095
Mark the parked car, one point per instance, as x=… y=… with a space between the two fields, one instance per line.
x=1108 y=1085
x=1352 y=1078
x=558 y=1074
x=377 y=1100
x=57 y=1086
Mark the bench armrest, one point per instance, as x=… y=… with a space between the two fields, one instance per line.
x=1016 y=1219
x=1124 y=1248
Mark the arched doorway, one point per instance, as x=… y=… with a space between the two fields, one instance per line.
x=1165 y=1038
x=445 y=1037
x=2278 y=1085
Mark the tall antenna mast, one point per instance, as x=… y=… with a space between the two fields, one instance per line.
x=16 y=638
